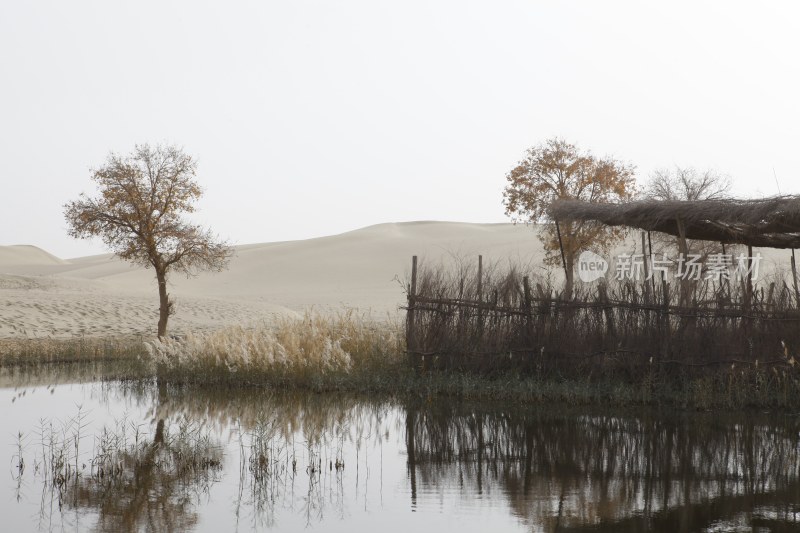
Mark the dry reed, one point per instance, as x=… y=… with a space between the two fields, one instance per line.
x=53 y=350
x=307 y=350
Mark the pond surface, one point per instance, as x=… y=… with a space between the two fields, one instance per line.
x=86 y=455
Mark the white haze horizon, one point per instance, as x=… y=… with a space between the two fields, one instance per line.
x=313 y=118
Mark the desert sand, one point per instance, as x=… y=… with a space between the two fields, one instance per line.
x=44 y=296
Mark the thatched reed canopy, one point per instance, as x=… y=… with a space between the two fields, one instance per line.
x=767 y=222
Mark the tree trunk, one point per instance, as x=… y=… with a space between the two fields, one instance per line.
x=569 y=273
x=164 y=303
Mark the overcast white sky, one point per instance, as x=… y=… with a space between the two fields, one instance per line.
x=312 y=118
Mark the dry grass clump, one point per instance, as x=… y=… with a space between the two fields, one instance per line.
x=298 y=350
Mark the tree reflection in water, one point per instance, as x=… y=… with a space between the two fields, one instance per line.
x=556 y=469
x=291 y=451
x=138 y=482
x=576 y=470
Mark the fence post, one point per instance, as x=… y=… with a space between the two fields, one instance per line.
x=480 y=278
x=526 y=291
x=412 y=301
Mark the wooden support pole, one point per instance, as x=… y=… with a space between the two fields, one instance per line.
x=412 y=300
x=683 y=250
x=646 y=270
x=749 y=274
x=666 y=323
x=794 y=277
x=727 y=281
x=650 y=249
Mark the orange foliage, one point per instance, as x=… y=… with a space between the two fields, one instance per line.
x=558 y=170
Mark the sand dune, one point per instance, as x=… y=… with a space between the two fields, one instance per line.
x=42 y=295
x=21 y=255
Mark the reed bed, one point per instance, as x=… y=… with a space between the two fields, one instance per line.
x=315 y=350
x=53 y=350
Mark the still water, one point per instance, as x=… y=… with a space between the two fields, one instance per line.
x=97 y=455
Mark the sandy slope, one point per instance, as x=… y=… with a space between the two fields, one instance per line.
x=41 y=295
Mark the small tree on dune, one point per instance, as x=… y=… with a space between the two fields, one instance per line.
x=557 y=170
x=138 y=215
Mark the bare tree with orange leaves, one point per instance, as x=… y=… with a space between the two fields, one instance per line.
x=138 y=215
x=556 y=170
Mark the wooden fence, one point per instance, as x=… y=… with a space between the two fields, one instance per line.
x=489 y=324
